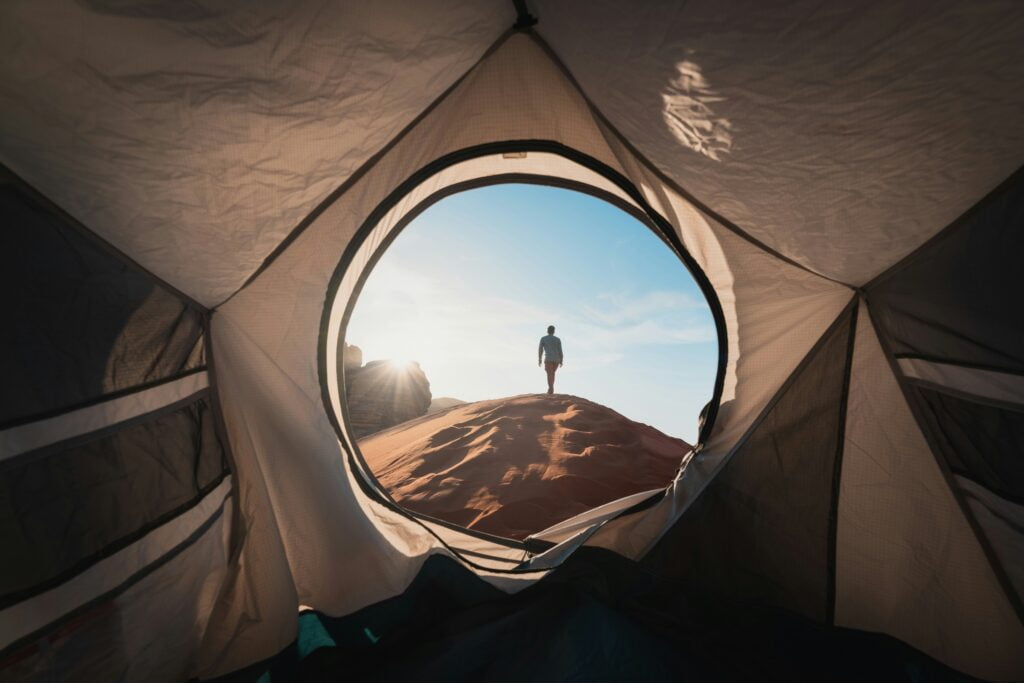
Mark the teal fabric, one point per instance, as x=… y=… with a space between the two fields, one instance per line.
x=312 y=635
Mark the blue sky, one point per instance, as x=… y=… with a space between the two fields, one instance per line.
x=470 y=285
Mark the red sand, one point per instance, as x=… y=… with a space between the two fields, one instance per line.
x=515 y=466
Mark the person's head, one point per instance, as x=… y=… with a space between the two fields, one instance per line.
x=551 y=329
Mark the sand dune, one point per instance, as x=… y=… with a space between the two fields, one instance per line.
x=515 y=466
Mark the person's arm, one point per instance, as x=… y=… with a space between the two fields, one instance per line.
x=540 y=351
x=561 y=354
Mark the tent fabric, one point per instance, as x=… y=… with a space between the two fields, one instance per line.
x=903 y=539
x=76 y=502
x=980 y=441
x=936 y=307
x=277 y=350
x=214 y=130
x=195 y=193
x=105 y=617
x=774 y=499
x=1002 y=523
x=842 y=136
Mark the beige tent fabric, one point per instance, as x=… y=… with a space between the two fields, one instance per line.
x=908 y=563
x=195 y=139
x=841 y=134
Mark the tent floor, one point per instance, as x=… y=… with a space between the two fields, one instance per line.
x=598 y=617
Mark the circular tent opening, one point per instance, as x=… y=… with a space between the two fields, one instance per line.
x=468 y=171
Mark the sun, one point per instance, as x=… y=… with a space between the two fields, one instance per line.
x=400 y=364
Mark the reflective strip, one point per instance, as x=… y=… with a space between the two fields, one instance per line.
x=29 y=437
x=26 y=617
x=984 y=383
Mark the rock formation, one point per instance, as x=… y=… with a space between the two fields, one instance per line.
x=382 y=393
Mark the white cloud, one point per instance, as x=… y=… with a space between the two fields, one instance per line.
x=621 y=309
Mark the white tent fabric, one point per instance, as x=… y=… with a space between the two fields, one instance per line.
x=256 y=157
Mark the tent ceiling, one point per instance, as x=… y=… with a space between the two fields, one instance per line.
x=195 y=139
x=841 y=134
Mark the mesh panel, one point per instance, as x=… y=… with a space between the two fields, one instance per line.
x=65 y=508
x=83 y=323
x=954 y=302
x=979 y=441
x=761 y=529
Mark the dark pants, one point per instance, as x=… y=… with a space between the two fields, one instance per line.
x=550 y=368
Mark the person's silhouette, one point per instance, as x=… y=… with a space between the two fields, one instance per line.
x=551 y=350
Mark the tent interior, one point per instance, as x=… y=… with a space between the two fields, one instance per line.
x=192 y=193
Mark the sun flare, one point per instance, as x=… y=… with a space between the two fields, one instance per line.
x=400 y=364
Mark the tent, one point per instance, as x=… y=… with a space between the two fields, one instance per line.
x=193 y=192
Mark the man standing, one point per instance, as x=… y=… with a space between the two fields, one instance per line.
x=551 y=348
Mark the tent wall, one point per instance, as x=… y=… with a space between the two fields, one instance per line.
x=143 y=611
x=775 y=498
x=946 y=316
x=112 y=467
x=953 y=301
x=908 y=562
x=840 y=134
x=864 y=467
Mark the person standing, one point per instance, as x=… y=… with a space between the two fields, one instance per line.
x=551 y=350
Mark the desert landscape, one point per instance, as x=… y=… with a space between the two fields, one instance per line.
x=515 y=466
